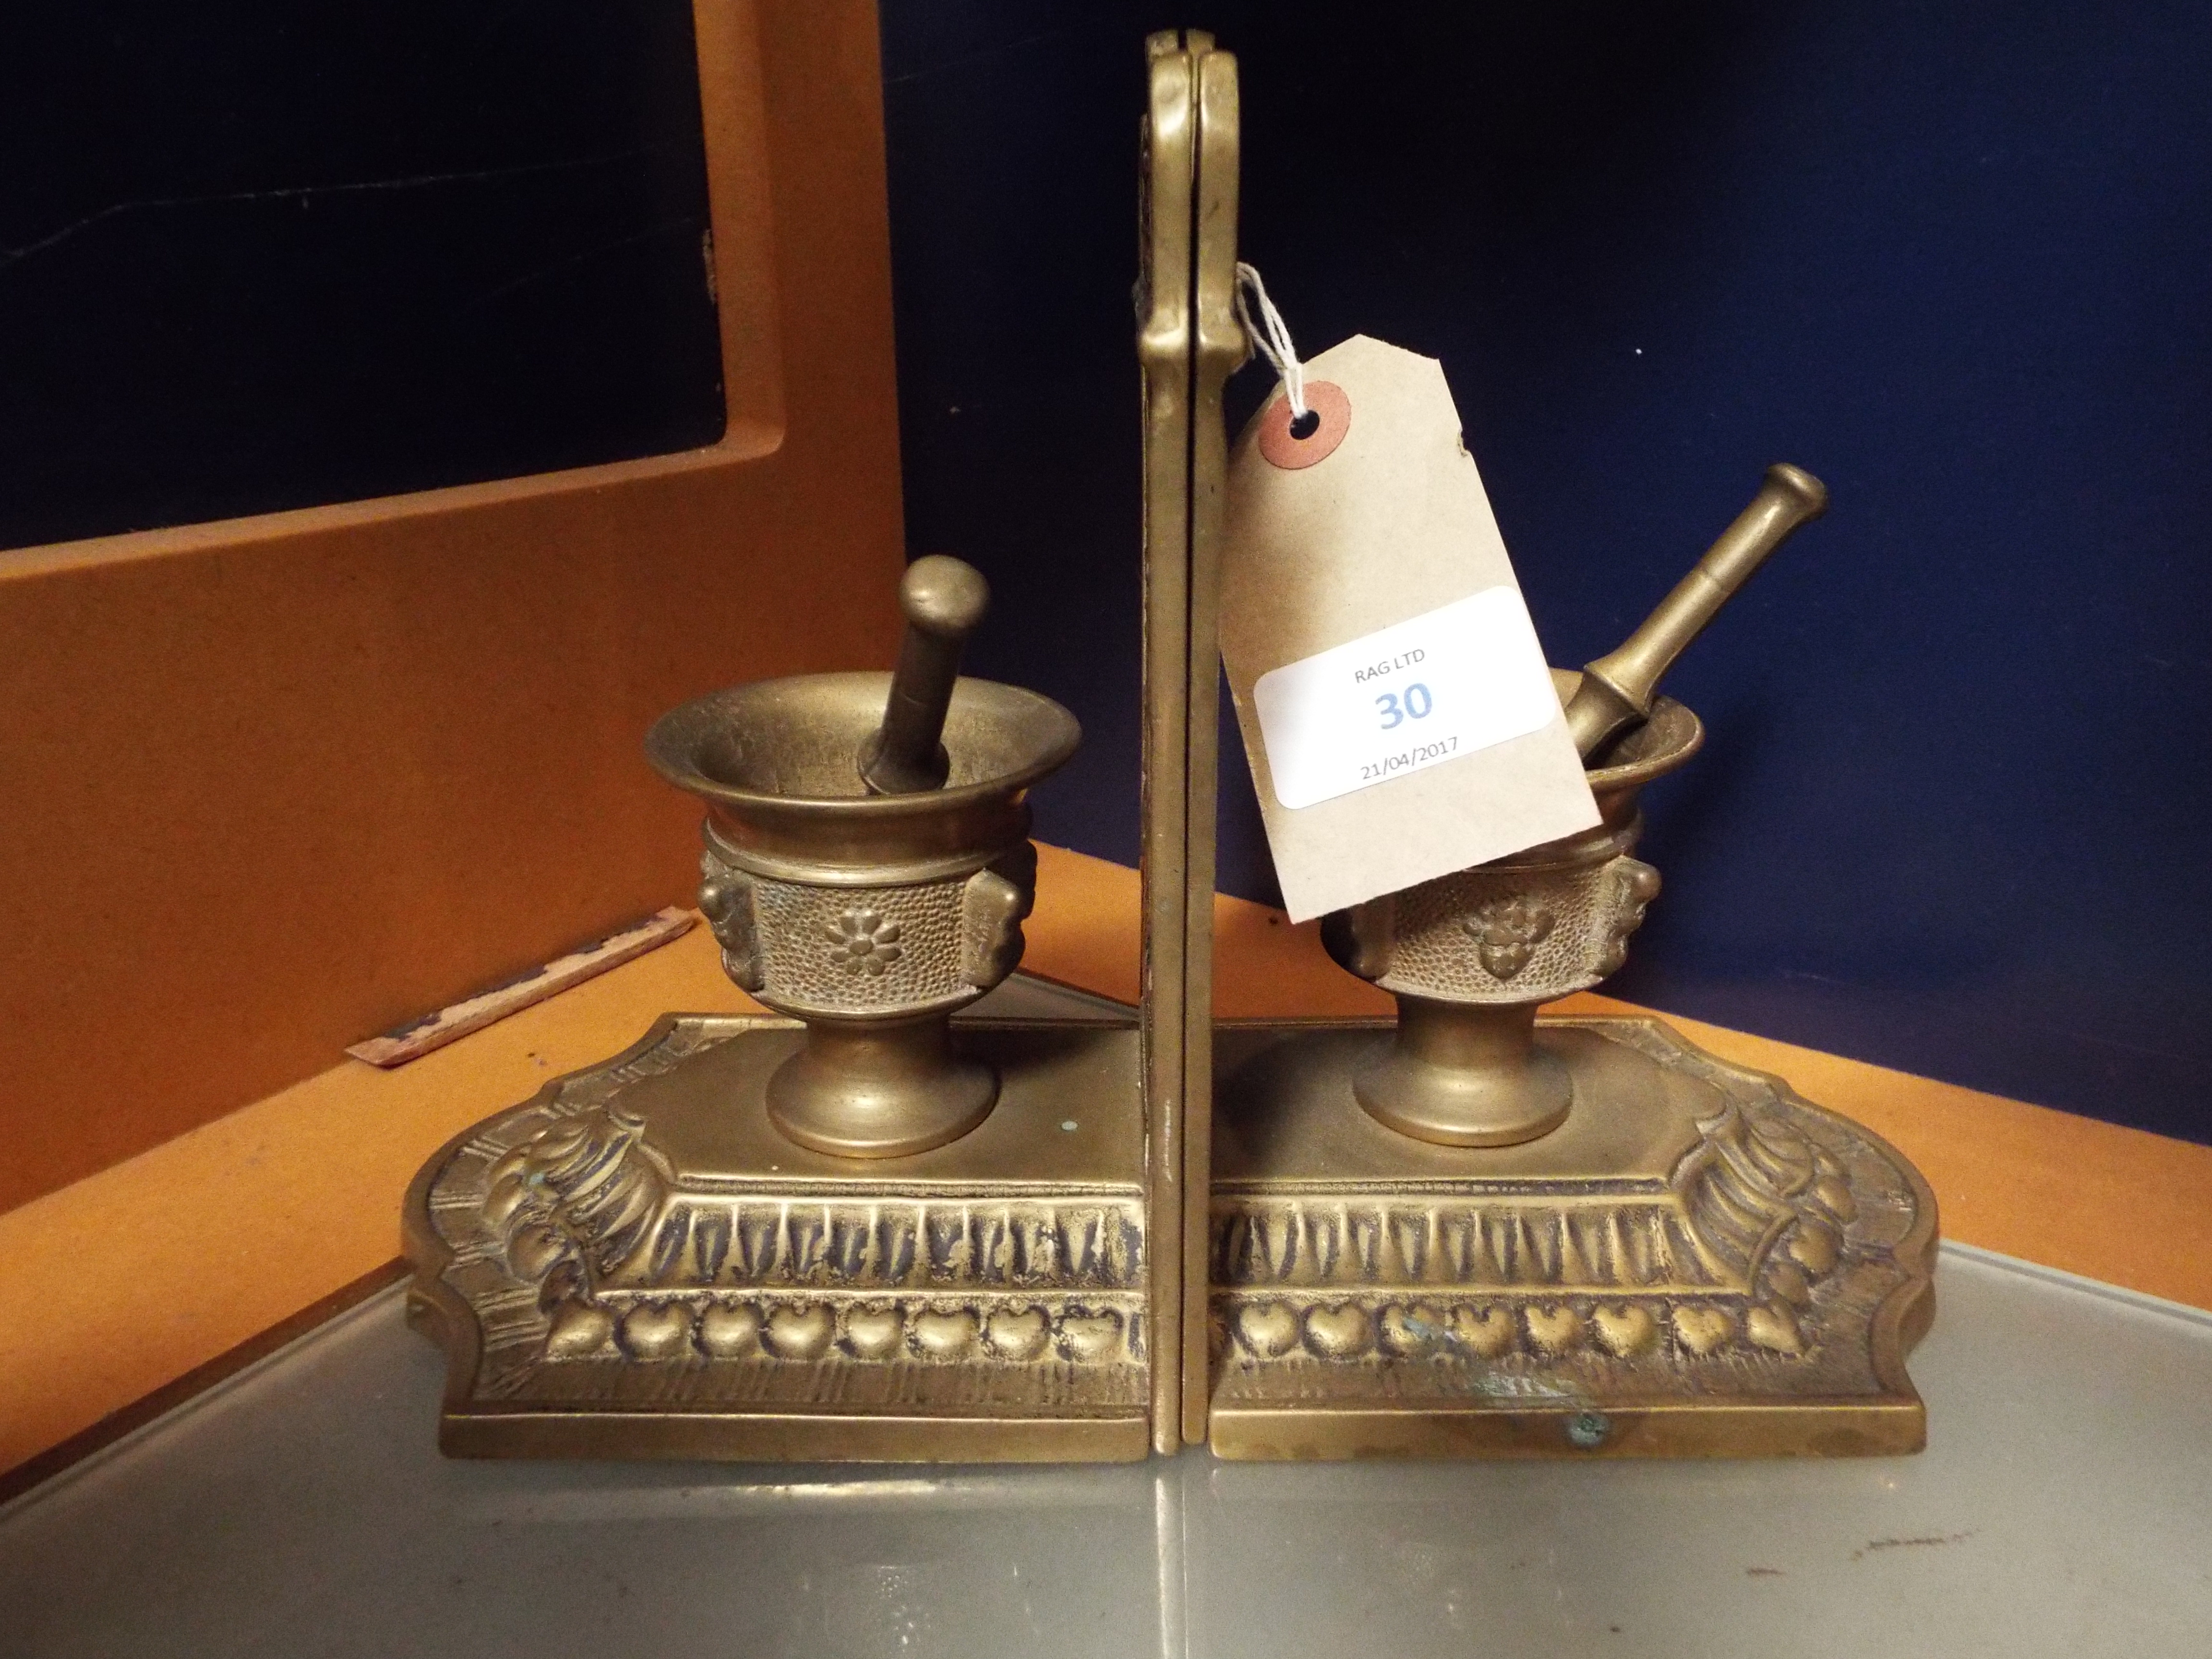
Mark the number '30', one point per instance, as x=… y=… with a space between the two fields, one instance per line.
x=1415 y=705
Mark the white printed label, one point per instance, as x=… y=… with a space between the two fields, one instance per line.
x=1436 y=687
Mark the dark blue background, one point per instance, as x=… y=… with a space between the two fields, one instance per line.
x=1955 y=258
x=255 y=254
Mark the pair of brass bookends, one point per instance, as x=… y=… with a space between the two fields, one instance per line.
x=864 y=1231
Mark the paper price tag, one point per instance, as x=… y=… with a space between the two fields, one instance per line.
x=1394 y=700
x=1438 y=688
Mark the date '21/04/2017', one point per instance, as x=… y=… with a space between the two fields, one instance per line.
x=1421 y=754
x=1463 y=677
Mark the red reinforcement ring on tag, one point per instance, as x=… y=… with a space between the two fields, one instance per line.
x=1329 y=413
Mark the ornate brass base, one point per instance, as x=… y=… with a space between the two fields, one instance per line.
x=636 y=1264
x=1696 y=1263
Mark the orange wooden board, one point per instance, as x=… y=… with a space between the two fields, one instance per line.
x=129 y=1279
x=275 y=784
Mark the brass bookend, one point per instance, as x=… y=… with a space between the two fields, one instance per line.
x=1476 y=1230
x=872 y=1229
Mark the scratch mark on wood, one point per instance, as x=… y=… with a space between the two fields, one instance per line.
x=420 y=1037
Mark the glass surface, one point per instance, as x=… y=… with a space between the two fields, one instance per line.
x=303 y=1509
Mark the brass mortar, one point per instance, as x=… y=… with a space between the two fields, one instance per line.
x=872 y=918
x=1470 y=956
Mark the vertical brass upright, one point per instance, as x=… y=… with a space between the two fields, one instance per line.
x=1188 y=342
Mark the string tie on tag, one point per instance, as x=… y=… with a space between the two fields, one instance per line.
x=1271 y=338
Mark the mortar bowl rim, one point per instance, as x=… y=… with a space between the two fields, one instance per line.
x=1045 y=736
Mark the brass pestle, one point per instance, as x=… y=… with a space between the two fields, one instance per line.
x=1617 y=690
x=1471 y=956
x=944 y=600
